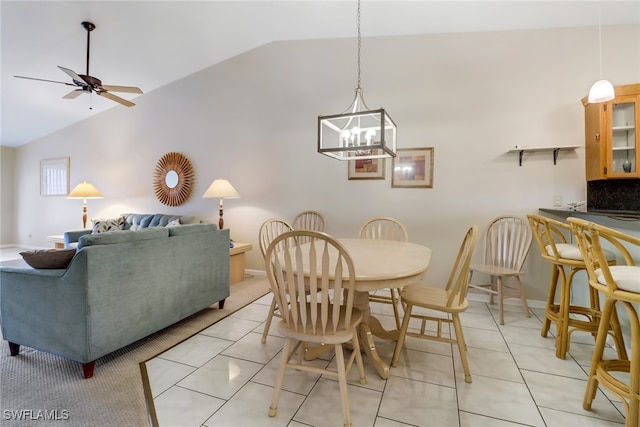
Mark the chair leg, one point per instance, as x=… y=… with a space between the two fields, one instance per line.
x=598 y=351
x=267 y=325
x=273 y=409
x=551 y=297
x=342 y=380
x=402 y=335
x=617 y=336
x=633 y=416
x=562 y=338
x=394 y=303
x=462 y=347
x=523 y=297
x=356 y=348
x=500 y=299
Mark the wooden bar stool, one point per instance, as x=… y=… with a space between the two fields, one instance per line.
x=620 y=284
x=554 y=248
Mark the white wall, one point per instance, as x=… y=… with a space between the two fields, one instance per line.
x=7 y=194
x=252 y=120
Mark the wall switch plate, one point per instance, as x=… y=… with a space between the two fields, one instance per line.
x=557 y=201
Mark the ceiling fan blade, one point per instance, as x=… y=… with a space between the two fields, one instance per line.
x=73 y=75
x=73 y=94
x=116 y=99
x=128 y=89
x=45 y=80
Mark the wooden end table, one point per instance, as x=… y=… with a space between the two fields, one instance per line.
x=237 y=261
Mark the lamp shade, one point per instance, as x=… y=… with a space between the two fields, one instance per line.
x=601 y=91
x=84 y=190
x=221 y=188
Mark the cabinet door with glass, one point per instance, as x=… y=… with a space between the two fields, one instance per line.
x=612 y=143
x=622 y=152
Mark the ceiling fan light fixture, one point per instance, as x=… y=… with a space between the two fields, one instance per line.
x=601 y=91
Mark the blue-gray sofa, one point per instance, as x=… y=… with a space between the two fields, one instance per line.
x=120 y=286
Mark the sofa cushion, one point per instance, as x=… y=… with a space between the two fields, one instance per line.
x=48 y=258
x=122 y=236
x=161 y=220
x=104 y=225
x=191 y=228
x=136 y=222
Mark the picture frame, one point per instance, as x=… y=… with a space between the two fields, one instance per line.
x=413 y=168
x=54 y=177
x=366 y=168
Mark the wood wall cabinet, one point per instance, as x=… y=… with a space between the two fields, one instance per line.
x=612 y=142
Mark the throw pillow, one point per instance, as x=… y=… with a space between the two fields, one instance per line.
x=104 y=225
x=173 y=222
x=48 y=258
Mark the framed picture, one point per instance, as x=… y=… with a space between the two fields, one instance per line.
x=54 y=177
x=366 y=168
x=413 y=168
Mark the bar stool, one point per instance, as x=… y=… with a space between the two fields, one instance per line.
x=620 y=285
x=554 y=248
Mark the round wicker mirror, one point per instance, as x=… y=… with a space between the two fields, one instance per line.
x=173 y=179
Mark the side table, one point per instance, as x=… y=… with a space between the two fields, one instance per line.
x=237 y=261
x=58 y=241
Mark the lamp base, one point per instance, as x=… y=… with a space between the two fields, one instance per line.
x=221 y=221
x=84 y=216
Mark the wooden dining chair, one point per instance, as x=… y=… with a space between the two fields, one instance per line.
x=506 y=245
x=620 y=286
x=385 y=228
x=308 y=220
x=552 y=239
x=269 y=230
x=327 y=317
x=444 y=304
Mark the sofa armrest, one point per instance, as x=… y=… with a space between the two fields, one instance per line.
x=73 y=236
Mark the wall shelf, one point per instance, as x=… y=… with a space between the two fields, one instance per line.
x=555 y=150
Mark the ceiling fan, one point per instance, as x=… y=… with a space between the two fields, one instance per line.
x=86 y=83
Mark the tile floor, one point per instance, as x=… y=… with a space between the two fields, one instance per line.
x=224 y=376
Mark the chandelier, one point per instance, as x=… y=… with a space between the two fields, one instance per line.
x=359 y=131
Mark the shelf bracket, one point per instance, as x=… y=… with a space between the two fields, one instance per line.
x=555 y=155
x=520 y=157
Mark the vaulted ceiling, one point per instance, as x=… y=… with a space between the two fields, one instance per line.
x=150 y=44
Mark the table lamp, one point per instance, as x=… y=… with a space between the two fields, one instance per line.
x=84 y=191
x=222 y=189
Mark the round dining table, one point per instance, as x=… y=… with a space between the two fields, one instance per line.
x=380 y=264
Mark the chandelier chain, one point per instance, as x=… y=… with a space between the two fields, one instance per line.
x=359 y=44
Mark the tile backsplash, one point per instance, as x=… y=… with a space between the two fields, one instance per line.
x=614 y=194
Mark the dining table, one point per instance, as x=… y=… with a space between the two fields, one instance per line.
x=379 y=264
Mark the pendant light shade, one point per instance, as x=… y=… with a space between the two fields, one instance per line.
x=601 y=91
x=359 y=131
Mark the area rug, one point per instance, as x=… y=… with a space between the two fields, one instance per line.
x=40 y=389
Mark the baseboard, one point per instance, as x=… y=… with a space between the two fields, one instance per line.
x=509 y=301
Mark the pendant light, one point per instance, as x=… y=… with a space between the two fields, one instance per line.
x=602 y=90
x=359 y=131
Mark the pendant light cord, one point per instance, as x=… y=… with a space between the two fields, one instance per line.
x=600 y=37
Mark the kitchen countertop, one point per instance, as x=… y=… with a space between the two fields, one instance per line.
x=616 y=214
